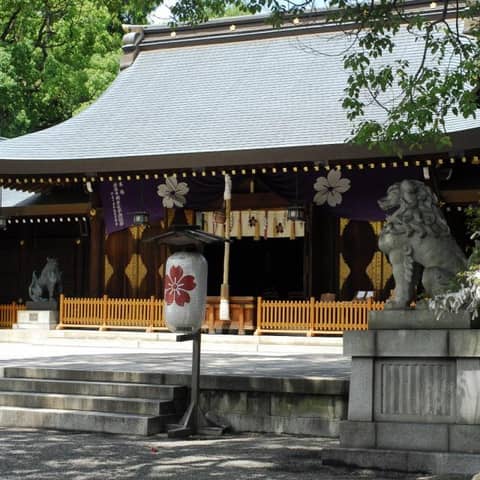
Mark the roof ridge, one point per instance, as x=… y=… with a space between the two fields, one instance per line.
x=235 y=29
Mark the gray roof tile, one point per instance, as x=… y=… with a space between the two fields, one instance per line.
x=247 y=95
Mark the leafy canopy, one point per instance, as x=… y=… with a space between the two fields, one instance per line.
x=57 y=56
x=416 y=99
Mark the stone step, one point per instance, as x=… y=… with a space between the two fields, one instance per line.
x=57 y=401
x=155 y=378
x=84 y=421
x=105 y=389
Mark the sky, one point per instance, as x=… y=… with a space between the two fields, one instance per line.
x=161 y=14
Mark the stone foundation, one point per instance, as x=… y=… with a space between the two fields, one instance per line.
x=412 y=391
x=277 y=411
x=37 y=319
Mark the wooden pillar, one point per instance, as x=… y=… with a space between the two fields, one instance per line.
x=307 y=253
x=96 y=256
x=24 y=246
x=324 y=253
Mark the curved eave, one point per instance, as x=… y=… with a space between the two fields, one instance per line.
x=190 y=161
x=462 y=142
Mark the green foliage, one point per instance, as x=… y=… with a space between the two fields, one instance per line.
x=199 y=11
x=464 y=293
x=229 y=11
x=415 y=98
x=473 y=220
x=57 y=56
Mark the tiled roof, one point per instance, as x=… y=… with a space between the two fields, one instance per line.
x=193 y=104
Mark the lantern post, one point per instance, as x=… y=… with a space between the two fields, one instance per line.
x=185 y=295
x=225 y=290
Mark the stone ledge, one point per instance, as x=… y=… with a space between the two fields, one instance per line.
x=403 y=460
x=400 y=436
x=397 y=343
x=452 y=343
x=321 y=427
x=417 y=320
x=464 y=343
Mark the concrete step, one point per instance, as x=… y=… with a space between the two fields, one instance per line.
x=81 y=400
x=84 y=421
x=155 y=378
x=105 y=389
x=135 y=406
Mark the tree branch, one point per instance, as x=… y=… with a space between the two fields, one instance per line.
x=10 y=24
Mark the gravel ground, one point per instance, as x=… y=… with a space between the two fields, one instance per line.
x=30 y=454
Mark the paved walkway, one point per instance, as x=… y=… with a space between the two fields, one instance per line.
x=49 y=455
x=227 y=358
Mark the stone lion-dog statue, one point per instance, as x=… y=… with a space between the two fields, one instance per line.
x=48 y=284
x=417 y=241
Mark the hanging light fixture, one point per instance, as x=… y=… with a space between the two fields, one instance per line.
x=141 y=218
x=296 y=212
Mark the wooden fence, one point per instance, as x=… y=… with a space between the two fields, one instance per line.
x=8 y=314
x=123 y=313
x=313 y=317
x=242 y=315
x=115 y=313
x=273 y=316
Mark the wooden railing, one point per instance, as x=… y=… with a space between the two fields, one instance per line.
x=273 y=316
x=116 y=313
x=123 y=313
x=242 y=315
x=313 y=317
x=8 y=314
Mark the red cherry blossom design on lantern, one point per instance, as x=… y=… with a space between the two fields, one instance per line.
x=176 y=286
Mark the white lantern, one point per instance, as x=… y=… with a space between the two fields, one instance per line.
x=185 y=292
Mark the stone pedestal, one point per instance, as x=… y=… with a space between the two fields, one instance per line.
x=414 y=402
x=37 y=319
x=44 y=305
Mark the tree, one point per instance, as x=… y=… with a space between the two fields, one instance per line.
x=417 y=98
x=464 y=294
x=57 y=56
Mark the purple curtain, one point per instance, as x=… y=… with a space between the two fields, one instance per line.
x=352 y=194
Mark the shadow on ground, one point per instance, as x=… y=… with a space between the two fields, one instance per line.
x=29 y=454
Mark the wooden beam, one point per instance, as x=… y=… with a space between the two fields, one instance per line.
x=461 y=196
x=53 y=209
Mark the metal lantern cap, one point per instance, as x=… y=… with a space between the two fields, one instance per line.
x=185 y=235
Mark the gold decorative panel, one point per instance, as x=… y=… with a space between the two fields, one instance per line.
x=137 y=231
x=375 y=271
x=161 y=270
x=108 y=271
x=378 y=269
x=190 y=216
x=344 y=271
x=136 y=271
